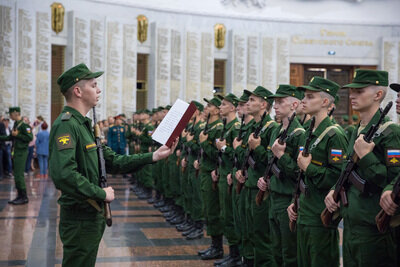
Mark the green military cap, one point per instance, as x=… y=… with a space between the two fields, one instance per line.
x=354 y=117
x=146 y=111
x=219 y=96
x=395 y=86
x=320 y=84
x=345 y=118
x=363 y=78
x=231 y=98
x=198 y=105
x=168 y=107
x=285 y=90
x=74 y=75
x=213 y=101
x=14 y=109
x=245 y=96
x=154 y=110
x=160 y=108
x=263 y=93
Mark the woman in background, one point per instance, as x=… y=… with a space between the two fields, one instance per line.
x=42 y=150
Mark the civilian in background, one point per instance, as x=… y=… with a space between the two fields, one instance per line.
x=42 y=150
x=2 y=147
x=7 y=153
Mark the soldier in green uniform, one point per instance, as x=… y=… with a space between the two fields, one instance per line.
x=378 y=164
x=282 y=183
x=206 y=166
x=74 y=168
x=20 y=136
x=225 y=159
x=239 y=200
x=257 y=221
x=145 y=174
x=194 y=230
x=317 y=245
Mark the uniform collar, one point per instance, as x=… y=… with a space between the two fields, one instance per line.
x=374 y=120
x=81 y=119
x=325 y=123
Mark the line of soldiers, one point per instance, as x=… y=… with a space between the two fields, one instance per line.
x=263 y=184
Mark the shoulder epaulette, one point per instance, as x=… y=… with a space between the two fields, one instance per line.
x=66 y=116
x=237 y=125
x=384 y=129
x=268 y=125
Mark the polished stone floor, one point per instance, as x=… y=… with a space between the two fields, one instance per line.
x=139 y=235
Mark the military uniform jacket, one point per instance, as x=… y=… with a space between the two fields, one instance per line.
x=145 y=138
x=193 y=145
x=378 y=168
x=23 y=137
x=323 y=171
x=287 y=164
x=229 y=154
x=260 y=154
x=116 y=137
x=240 y=151
x=210 y=151
x=73 y=160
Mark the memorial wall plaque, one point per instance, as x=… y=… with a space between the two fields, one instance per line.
x=43 y=65
x=129 y=69
x=282 y=61
x=193 y=70
x=268 y=62
x=97 y=54
x=176 y=65
x=7 y=51
x=26 y=62
x=81 y=40
x=163 y=67
x=207 y=65
x=390 y=63
x=253 y=62
x=239 y=64
x=114 y=68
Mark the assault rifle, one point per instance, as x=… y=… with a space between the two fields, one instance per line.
x=349 y=174
x=102 y=168
x=301 y=186
x=248 y=157
x=272 y=168
x=383 y=219
x=219 y=162
x=235 y=161
x=200 y=154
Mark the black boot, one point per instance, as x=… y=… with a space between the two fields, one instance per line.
x=178 y=219
x=147 y=193
x=19 y=195
x=204 y=251
x=234 y=258
x=159 y=204
x=216 y=251
x=189 y=231
x=23 y=199
x=248 y=262
x=197 y=233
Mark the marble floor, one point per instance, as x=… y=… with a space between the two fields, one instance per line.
x=139 y=235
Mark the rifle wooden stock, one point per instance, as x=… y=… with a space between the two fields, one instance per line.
x=382 y=219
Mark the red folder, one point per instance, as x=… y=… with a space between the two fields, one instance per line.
x=182 y=124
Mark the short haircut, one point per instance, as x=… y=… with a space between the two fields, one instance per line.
x=68 y=94
x=330 y=98
x=384 y=91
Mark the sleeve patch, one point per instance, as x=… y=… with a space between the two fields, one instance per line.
x=90 y=146
x=393 y=157
x=336 y=156
x=64 y=141
x=28 y=130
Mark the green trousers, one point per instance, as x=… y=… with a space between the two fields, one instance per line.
x=211 y=205
x=165 y=179
x=81 y=239
x=317 y=246
x=246 y=225
x=365 y=246
x=260 y=234
x=187 y=190
x=19 y=160
x=146 y=176
x=284 y=242
x=226 y=207
x=197 y=206
x=236 y=213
